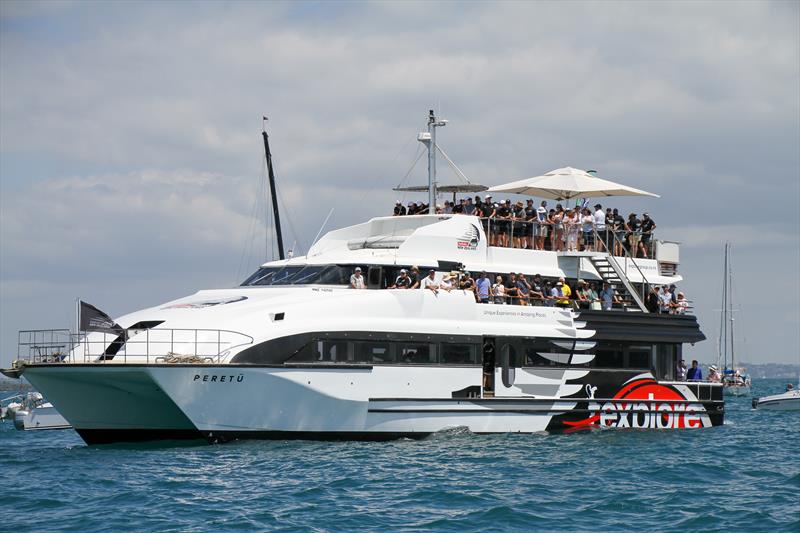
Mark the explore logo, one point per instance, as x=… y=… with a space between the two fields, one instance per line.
x=644 y=403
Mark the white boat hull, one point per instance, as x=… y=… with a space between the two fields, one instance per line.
x=787 y=401
x=43 y=417
x=737 y=390
x=117 y=403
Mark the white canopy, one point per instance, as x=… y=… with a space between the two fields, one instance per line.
x=565 y=183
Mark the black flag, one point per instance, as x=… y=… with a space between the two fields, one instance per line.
x=93 y=319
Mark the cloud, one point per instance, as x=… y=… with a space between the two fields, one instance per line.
x=131 y=147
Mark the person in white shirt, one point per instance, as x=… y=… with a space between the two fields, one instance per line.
x=357 y=280
x=541 y=225
x=499 y=291
x=600 y=226
x=587 y=227
x=428 y=282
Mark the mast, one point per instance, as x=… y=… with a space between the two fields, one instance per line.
x=429 y=139
x=272 y=190
x=730 y=304
x=723 y=315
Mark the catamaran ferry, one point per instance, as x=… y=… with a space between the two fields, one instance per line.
x=296 y=352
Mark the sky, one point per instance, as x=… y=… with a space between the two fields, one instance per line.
x=131 y=157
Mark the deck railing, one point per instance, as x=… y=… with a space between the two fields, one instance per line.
x=155 y=345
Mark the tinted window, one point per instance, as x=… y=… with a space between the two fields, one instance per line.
x=374 y=352
x=301 y=275
x=417 y=353
x=640 y=356
x=458 y=354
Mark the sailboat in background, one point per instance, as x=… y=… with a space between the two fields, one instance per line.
x=734 y=379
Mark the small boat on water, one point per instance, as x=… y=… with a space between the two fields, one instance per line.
x=31 y=412
x=785 y=401
x=41 y=417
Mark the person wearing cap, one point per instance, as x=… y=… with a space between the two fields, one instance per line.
x=681 y=304
x=542 y=222
x=557 y=294
x=414 y=275
x=713 y=374
x=467 y=283
x=648 y=227
x=483 y=287
x=429 y=282
x=399 y=210
x=357 y=280
x=634 y=229
x=503 y=223
x=469 y=207
x=403 y=281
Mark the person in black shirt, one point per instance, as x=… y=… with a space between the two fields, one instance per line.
x=489 y=222
x=648 y=226
x=468 y=284
x=414 y=275
x=459 y=207
x=518 y=232
x=402 y=281
x=503 y=223
x=530 y=224
x=537 y=289
x=634 y=228
x=399 y=210
x=511 y=289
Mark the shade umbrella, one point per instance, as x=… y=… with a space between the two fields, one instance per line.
x=565 y=183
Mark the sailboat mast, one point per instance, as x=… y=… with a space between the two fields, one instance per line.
x=730 y=304
x=722 y=334
x=271 y=173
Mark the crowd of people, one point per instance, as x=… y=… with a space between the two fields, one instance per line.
x=520 y=289
x=523 y=225
x=695 y=373
x=666 y=300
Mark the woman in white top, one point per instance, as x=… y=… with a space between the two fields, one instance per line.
x=499 y=291
x=572 y=222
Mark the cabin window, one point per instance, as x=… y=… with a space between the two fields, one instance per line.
x=640 y=356
x=609 y=355
x=416 y=353
x=374 y=352
x=458 y=354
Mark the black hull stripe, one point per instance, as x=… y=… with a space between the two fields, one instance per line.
x=554 y=411
x=121 y=436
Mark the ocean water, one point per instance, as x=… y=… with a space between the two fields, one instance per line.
x=743 y=476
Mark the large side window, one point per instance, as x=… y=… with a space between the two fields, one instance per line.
x=640 y=356
x=374 y=352
x=416 y=353
x=609 y=355
x=459 y=354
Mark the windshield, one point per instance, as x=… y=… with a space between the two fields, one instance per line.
x=301 y=275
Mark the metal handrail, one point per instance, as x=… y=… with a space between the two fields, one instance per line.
x=49 y=346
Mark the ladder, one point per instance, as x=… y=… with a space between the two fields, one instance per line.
x=612 y=273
